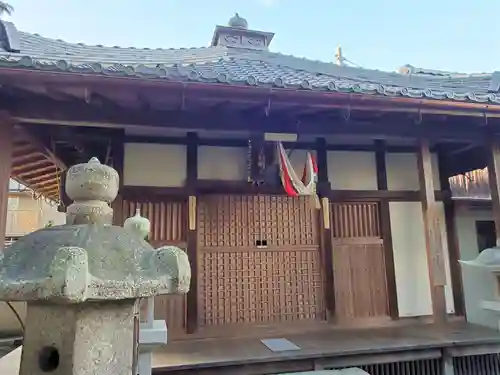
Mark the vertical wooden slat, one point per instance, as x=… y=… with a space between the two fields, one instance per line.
x=385 y=226
x=326 y=231
x=433 y=244
x=451 y=236
x=192 y=233
x=6 y=144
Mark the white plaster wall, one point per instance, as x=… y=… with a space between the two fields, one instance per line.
x=410 y=260
x=351 y=170
x=402 y=171
x=222 y=163
x=150 y=164
x=477 y=285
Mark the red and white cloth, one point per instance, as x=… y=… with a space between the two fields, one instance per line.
x=293 y=185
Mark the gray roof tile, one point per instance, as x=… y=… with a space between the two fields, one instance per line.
x=247 y=67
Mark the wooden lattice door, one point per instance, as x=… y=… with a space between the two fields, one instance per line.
x=358 y=258
x=168 y=227
x=259 y=261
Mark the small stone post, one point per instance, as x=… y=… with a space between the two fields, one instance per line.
x=81 y=282
x=152 y=333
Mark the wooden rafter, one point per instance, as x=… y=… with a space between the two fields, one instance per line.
x=35 y=165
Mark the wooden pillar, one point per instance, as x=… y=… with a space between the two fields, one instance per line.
x=325 y=229
x=432 y=232
x=65 y=201
x=257 y=142
x=192 y=230
x=6 y=145
x=118 y=152
x=451 y=236
x=494 y=176
x=385 y=227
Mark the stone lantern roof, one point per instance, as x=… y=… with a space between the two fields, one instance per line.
x=90 y=259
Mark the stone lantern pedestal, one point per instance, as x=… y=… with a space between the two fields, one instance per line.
x=82 y=281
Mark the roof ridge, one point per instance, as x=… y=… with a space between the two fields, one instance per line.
x=409 y=69
x=81 y=44
x=323 y=67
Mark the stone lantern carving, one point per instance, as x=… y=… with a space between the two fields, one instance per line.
x=82 y=280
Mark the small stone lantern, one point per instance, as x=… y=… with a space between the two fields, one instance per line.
x=152 y=333
x=82 y=280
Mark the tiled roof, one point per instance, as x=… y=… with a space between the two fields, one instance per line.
x=240 y=66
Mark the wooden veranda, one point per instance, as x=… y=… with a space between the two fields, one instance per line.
x=407 y=349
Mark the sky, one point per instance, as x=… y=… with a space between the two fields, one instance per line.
x=458 y=35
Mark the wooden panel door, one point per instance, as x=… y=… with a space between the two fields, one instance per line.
x=259 y=261
x=168 y=227
x=358 y=258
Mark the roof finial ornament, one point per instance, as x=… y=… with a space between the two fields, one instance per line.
x=238 y=22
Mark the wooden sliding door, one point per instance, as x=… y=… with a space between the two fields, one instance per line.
x=358 y=258
x=259 y=261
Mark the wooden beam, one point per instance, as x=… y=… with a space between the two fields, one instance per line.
x=243 y=187
x=192 y=231
x=385 y=223
x=451 y=237
x=325 y=228
x=40 y=110
x=28 y=167
x=6 y=135
x=21 y=77
x=432 y=232
x=42 y=177
x=243 y=142
x=36 y=172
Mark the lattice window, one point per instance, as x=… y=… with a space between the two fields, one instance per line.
x=260 y=286
x=355 y=220
x=243 y=221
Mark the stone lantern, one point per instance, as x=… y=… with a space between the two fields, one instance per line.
x=82 y=281
x=485 y=309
